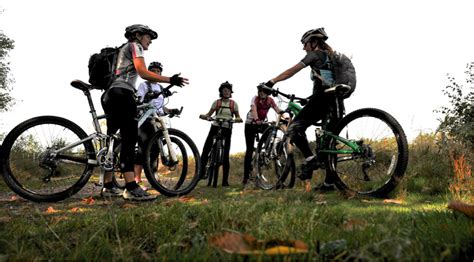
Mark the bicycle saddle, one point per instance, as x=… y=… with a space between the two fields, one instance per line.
x=81 y=85
x=339 y=90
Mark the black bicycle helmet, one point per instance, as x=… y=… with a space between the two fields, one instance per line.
x=266 y=90
x=138 y=28
x=226 y=84
x=317 y=33
x=155 y=65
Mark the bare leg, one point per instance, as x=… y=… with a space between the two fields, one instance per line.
x=138 y=173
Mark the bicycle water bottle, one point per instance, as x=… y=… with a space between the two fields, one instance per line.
x=294 y=107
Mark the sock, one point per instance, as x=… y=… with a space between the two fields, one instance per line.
x=131 y=185
x=109 y=185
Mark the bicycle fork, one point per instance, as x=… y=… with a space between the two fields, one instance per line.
x=169 y=156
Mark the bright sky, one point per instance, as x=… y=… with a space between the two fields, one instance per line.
x=402 y=51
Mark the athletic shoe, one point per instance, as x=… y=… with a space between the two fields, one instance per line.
x=137 y=194
x=324 y=187
x=111 y=192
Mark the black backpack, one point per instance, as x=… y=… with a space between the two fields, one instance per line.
x=344 y=71
x=102 y=67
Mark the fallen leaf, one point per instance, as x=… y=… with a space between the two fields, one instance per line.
x=284 y=250
x=75 y=210
x=88 y=200
x=185 y=199
x=229 y=242
x=51 y=210
x=128 y=205
x=464 y=208
x=393 y=201
x=244 y=244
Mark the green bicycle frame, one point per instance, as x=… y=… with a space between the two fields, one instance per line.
x=355 y=148
x=295 y=108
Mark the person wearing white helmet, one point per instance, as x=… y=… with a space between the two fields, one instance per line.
x=145 y=92
x=318 y=55
x=121 y=109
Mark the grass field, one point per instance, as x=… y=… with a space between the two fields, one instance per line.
x=237 y=224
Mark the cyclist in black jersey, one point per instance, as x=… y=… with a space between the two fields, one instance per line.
x=318 y=54
x=120 y=106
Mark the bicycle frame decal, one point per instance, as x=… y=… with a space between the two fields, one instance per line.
x=353 y=145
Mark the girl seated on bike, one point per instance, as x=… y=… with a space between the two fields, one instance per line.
x=254 y=124
x=318 y=54
x=147 y=129
x=225 y=108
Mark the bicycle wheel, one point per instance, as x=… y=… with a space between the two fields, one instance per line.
x=216 y=159
x=118 y=179
x=288 y=167
x=172 y=179
x=380 y=166
x=32 y=168
x=274 y=161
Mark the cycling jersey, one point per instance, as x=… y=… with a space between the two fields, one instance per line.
x=320 y=65
x=127 y=75
x=158 y=102
x=263 y=105
x=224 y=112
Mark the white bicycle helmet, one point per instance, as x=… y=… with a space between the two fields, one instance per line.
x=318 y=33
x=138 y=28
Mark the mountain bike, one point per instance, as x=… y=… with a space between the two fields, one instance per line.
x=366 y=151
x=216 y=155
x=274 y=158
x=259 y=180
x=50 y=158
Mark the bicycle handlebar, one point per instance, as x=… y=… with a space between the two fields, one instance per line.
x=292 y=97
x=165 y=92
x=177 y=114
x=220 y=120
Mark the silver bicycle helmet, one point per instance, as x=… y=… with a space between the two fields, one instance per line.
x=318 y=33
x=138 y=28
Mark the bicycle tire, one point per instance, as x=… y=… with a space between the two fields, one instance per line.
x=217 y=155
x=380 y=167
x=187 y=169
x=118 y=179
x=272 y=171
x=33 y=172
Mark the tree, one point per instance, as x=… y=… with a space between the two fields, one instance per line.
x=6 y=101
x=458 y=118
